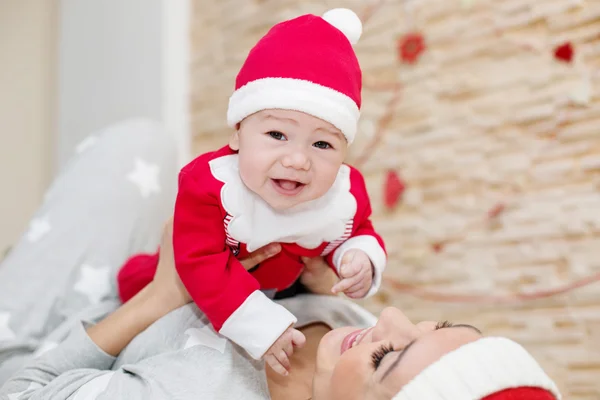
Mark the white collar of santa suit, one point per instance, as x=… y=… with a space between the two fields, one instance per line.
x=256 y=224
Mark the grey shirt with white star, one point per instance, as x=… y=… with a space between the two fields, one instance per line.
x=180 y=356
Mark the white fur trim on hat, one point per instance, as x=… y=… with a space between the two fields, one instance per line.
x=346 y=21
x=295 y=94
x=477 y=370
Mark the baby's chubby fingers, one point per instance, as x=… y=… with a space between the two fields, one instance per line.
x=357 y=292
x=351 y=265
x=345 y=284
x=298 y=338
x=361 y=283
x=276 y=365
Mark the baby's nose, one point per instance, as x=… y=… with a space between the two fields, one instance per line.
x=296 y=160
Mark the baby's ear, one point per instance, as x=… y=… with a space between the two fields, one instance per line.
x=234 y=140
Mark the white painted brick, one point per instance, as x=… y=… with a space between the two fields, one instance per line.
x=480 y=120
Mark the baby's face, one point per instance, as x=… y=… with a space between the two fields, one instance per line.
x=288 y=157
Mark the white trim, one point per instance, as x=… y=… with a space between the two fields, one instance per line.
x=477 y=370
x=176 y=75
x=371 y=246
x=295 y=94
x=257 y=324
x=257 y=224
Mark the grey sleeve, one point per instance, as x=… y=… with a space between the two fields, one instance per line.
x=61 y=372
x=180 y=356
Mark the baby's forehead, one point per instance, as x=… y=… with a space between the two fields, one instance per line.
x=298 y=118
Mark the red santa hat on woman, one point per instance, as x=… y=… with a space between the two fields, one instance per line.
x=488 y=369
x=304 y=64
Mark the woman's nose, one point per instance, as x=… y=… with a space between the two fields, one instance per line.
x=395 y=327
x=296 y=159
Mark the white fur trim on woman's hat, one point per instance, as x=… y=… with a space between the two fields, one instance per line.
x=477 y=370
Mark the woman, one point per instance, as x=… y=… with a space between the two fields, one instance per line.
x=158 y=346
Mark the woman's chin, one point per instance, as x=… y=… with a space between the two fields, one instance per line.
x=330 y=347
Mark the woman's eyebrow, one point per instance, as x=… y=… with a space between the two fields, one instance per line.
x=403 y=352
x=467 y=326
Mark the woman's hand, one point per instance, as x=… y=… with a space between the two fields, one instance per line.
x=167 y=286
x=318 y=277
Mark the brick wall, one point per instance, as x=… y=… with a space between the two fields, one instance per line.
x=486 y=117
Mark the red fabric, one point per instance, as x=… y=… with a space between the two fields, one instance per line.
x=216 y=280
x=135 y=274
x=524 y=393
x=306 y=48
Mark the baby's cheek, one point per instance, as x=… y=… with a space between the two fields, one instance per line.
x=322 y=182
x=250 y=174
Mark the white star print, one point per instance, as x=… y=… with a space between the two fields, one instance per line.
x=93 y=388
x=5 y=332
x=86 y=144
x=205 y=337
x=32 y=386
x=38 y=228
x=46 y=346
x=93 y=283
x=145 y=177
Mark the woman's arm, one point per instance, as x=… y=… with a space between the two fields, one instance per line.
x=165 y=294
x=82 y=362
x=178 y=356
x=115 y=332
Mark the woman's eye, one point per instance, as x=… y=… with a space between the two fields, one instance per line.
x=378 y=355
x=322 y=145
x=276 y=135
x=444 y=324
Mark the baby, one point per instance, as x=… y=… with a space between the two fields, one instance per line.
x=281 y=180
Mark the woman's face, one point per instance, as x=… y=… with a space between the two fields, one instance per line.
x=375 y=363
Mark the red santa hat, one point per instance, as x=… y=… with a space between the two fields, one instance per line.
x=305 y=64
x=488 y=369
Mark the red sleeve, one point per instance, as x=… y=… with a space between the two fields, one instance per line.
x=217 y=282
x=363 y=236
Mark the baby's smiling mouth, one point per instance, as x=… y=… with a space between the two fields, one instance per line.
x=287 y=184
x=288 y=187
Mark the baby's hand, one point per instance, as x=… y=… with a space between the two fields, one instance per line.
x=356 y=273
x=278 y=355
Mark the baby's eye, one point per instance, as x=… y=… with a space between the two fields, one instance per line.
x=322 y=145
x=276 y=135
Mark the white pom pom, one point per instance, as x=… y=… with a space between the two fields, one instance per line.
x=346 y=21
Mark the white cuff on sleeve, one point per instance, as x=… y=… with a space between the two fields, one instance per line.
x=369 y=245
x=257 y=324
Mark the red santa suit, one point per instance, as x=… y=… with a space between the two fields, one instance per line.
x=218 y=220
x=306 y=64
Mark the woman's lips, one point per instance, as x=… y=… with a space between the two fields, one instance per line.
x=350 y=339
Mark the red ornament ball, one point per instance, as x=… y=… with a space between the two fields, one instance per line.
x=564 y=52
x=410 y=47
x=496 y=210
x=393 y=190
x=437 y=247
